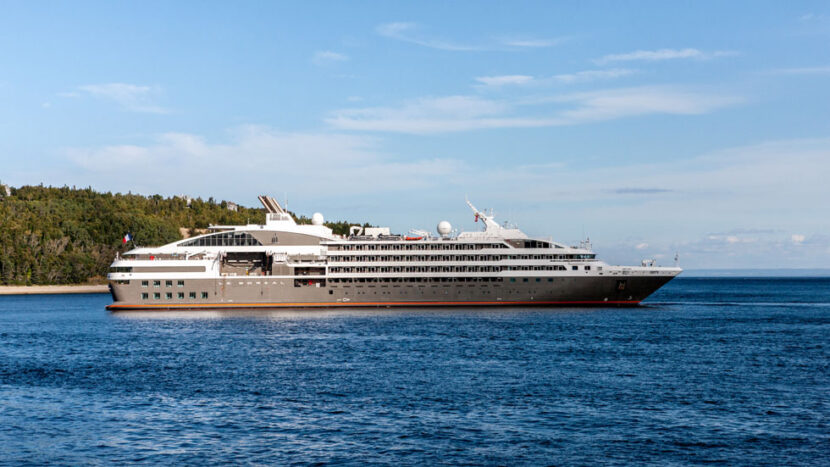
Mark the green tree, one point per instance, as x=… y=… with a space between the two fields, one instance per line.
x=67 y=235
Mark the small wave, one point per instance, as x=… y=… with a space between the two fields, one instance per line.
x=741 y=304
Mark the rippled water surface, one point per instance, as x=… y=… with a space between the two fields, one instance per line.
x=710 y=370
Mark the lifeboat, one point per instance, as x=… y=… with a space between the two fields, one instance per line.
x=412 y=239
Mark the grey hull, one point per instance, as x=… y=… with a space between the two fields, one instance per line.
x=272 y=292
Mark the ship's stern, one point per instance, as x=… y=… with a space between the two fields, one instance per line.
x=119 y=281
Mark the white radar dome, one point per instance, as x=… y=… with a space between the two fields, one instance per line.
x=444 y=228
x=317 y=218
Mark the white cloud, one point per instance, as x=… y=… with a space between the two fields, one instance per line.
x=256 y=158
x=412 y=33
x=715 y=251
x=627 y=102
x=639 y=191
x=730 y=239
x=327 y=56
x=732 y=188
x=465 y=113
x=735 y=188
x=812 y=17
x=532 y=43
x=425 y=115
x=814 y=70
x=744 y=181
x=130 y=97
x=503 y=80
x=662 y=54
x=564 y=78
x=592 y=75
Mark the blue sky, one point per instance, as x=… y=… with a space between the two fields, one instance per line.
x=701 y=128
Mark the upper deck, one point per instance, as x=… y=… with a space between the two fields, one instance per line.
x=281 y=241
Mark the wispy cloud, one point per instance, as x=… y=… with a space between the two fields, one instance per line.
x=344 y=163
x=324 y=57
x=729 y=188
x=750 y=231
x=592 y=75
x=813 y=17
x=733 y=188
x=564 y=78
x=639 y=191
x=662 y=54
x=131 y=97
x=627 y=102
x=410 y=32
x=504 y=80
x=414 y=34
x=813 y=24
x=464 y=113
x=424 y=115
x=778 y=251
x=532 y=43
x=813 y=70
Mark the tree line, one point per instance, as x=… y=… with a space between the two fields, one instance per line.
x=63 y=235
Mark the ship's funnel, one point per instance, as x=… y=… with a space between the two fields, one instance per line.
x=271 y=205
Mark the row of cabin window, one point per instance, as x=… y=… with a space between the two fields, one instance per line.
x=169 y=295
x=414 y=269
x=416 y=246
x=457 y=258
x=428 y=279
x=157 y=284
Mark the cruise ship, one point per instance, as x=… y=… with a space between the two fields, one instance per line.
x=285 y=264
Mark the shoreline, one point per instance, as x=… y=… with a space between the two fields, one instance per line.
x=51 y=289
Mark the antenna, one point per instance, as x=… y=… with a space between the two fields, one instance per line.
x=676 y=258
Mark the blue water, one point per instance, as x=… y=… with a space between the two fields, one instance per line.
x=711 y=370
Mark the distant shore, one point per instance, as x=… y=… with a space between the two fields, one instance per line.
x=758 y=273
x=51 y=289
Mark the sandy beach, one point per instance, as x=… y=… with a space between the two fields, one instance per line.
x=51 y=289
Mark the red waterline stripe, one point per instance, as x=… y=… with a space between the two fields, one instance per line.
x=115 y=306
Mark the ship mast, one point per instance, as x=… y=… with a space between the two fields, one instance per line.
x=489 y=223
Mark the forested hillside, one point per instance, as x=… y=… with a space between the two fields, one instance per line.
x=68 y=236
